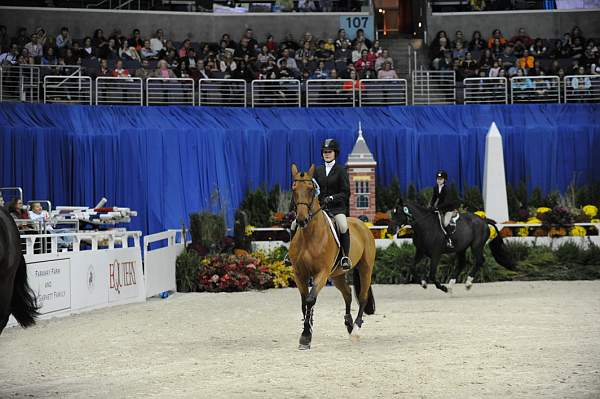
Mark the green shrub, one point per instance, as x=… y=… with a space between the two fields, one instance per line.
x=472 y=199
x=207 y=229
x=186 y=271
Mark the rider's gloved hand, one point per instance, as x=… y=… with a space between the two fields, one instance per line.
x=328 y=200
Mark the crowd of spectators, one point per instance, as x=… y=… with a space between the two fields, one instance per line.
x=249 y=58
x=521 y=55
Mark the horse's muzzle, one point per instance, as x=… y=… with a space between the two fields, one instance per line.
x=302 y=223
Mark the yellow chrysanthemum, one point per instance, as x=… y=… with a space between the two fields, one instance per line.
x=403 y=232
x=249 y=230
x=384 y=233
x=523 y=232
x=493 y=233
x=534 y=220
x=578 y=231
x=590 y=210
x=543 y=209
x=481 y=214
x=595 y=221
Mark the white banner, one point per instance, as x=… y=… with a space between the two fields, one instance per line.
x=51 y=282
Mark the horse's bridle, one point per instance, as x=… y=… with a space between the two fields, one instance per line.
x=309 y=206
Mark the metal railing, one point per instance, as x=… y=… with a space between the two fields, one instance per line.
x=68 y=89
x=126 y=91
x=174 y=91
x=330 y=92
x=582 y=88
x=382 y=92
x=219 y=92
x=20 y=83
x=485 y=91
x=433 y=87
x=534 y=89
x=276 y=93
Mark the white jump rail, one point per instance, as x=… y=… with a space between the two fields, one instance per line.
x=171 y=91
x=68 y=89
x=330 y=92
x=124 y=91
x=276 y=93
x=159 y=263
x=485 y=90
x=222 y=92
x=581 y=88
x=382 y=92
x=534 y=89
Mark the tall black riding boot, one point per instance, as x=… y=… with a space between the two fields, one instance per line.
x=448 y=231
x=345 y=241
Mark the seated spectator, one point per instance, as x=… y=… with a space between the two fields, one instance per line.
x=228 y=65
x=104 y=70
x=63 y=40
x=538 y=49
x=513 y=70
x=249 y=36
x=99 y=41
x=508 y=57
x=144 y=72
x=320 y=71
x=265 y=54
x=376 y=48
x=497 y=48
x=119 y=71
x=577 y=50
x=591 y=52
x=71 y=58
x=16 y=209
x=363 y=63
x=576 y=32
x=486 y=61
x=522 y=37
x=37 y=213
x=362 y=40
x=356 y=53
x=595 y=66
x=203 y=73
x=494 y=71
x=271 y=45
x=330 y=45
x=496 y=34
x=158 y=42
x=110 y=51
x=459 y=36
x=383 y=58
x=333 y=74
x=182 y=52
x=10 y=57
x=245 y=52
x=136 y=40
x=477 y=44
x=459 y=51
x=323 y=54
x=470 y=66
x=342 y=38
x=526 y=61
x=387 y=72
x=35 y=48
x=438 y=36
x=163 y=71
x=581 y=84
x=288 y=62
x=305 y=55
x=87 y=51
x=537 y=69
x=521 y=84
x=49 y=58
x=148 y=52
x=172 y=60
x=244 y=72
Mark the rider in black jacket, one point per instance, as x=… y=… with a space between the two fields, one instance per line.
x=444 y=206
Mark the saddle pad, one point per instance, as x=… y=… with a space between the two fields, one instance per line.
x=333 y=229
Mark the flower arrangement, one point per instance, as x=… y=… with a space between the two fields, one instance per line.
x=559 y=216
x=481 y=214
x=230 y=273
x=590 y=211
x=578 y=231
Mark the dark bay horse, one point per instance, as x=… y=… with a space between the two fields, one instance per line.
x=472 y=232
x=16 y=297
x=313 y=252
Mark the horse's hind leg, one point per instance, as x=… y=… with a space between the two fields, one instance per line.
x=342 y=285
x=364 y=276
x=433 y=273
x=477 y=250
x=460 y=265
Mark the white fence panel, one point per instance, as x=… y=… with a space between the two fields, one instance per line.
x=276 y=93
x=126 y=91
x=68 y=89
x=172 y=91
x=222 y=92
x=382 y=92
x=486 y=91
x=330 y=92
x=535 y=89
x=20 y=83
x=582 y=88
x=433 y=87
x=159 y=264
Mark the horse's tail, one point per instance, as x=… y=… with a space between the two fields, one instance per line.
x=370 y=306
x=23 y=304
x=499 y=251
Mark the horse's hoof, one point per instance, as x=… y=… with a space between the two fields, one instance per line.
x=355 y=334
x=469 y=283
x=303 y=347
x=444 y=288
x=450 y=286
x=348 y=323
x=424 y=284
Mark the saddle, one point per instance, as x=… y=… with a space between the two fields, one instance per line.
x=451 y=226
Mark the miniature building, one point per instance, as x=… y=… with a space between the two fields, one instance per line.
x=361 y=172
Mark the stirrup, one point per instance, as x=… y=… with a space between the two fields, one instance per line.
x=345 y=263
x=449 y=242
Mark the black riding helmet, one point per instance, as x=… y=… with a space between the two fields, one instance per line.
x=331 y=144
x=442 y=174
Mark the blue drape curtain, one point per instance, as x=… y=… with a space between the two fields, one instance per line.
x=166 y=162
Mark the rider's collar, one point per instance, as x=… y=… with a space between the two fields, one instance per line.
x=330 y=164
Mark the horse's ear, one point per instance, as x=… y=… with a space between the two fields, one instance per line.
x=311 y=171
x=294 y=170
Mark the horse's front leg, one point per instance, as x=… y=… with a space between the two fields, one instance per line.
x=435 y=259
x=319 y=282
x=306 y=335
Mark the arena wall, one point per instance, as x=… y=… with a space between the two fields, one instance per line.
x=538 y=23
x=199 y=27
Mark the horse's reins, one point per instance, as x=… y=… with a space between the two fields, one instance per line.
x=309 y=206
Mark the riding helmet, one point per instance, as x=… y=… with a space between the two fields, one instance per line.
x=331 y=144
x=442 y=174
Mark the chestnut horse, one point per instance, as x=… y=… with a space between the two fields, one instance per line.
x=16 y=297
x=313 y=253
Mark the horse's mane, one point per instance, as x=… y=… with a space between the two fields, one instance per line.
x=418 y=207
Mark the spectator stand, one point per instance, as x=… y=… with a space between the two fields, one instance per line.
x=68 y=89
x=535 y=89
x=222 y=92
x=485 y=91
x=382 y=92
x=582 y=88
x=433 y=87
x=125 y=91
x=174 y=91
x=276 y=93
x=330 y=92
